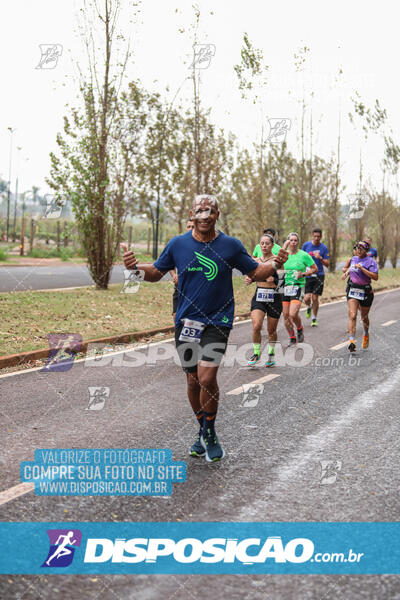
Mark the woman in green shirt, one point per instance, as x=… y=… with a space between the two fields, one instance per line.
x=266 y=301
x=298 y=265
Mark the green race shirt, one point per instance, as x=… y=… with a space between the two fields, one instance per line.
x=258 y=254
x=297 y=262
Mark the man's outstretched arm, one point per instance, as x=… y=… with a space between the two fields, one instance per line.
x=265 y=270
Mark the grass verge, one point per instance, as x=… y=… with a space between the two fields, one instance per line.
x=27 y=317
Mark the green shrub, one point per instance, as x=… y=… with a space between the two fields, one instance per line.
x=3 y=254
x=81 y=252
x=63 y=253
x=43 y=253
x=66 y=253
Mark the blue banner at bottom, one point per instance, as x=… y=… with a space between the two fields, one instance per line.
x=200 y=548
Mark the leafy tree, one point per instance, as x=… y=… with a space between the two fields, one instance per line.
x=98 y=149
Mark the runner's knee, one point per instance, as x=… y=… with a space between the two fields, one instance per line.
x=208 y=379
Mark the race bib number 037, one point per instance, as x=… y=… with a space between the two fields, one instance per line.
x=191 y=331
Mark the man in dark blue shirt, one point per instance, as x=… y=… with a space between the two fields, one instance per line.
x=315 y=282
x=205 y=259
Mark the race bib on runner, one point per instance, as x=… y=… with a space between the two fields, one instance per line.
x=191 y=331
x=265 y=295
x=291 y=290
x=357 y=294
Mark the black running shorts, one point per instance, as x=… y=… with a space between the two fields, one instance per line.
x=315 y=285
x=211 y=347
x=273 y=309
x=368 y=294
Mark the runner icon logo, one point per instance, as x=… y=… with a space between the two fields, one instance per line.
x=357 y=205
x=63 y=543
x=132 y=281
x=203 y=54
x=50 y=53
x=63 y=349
x=329 y=471
x=251 y=395
x=98 y=396
x=278 y=129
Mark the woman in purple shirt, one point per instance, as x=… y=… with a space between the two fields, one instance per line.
x=359 y=292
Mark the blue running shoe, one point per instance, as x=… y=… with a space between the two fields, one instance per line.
x=254 y=360
x=197 y=449
x=213 y=449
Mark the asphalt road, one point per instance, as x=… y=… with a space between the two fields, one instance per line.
x=53 y=277
x=325 y=410
x=18 y=279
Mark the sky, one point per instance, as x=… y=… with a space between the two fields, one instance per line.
x=360 y=37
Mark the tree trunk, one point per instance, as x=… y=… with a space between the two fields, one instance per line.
x=32 y=235
x=129 y=236
x=58 y=235
x=65 y=234
x=21 y=248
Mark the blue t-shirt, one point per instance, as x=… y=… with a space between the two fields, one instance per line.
x=373 y=253
x=205 y=290
x=324 y=252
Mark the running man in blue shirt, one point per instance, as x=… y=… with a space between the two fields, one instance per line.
x=204 y=259
x=315 y=282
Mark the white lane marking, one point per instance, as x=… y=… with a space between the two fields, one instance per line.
x=389 y=323
x=250 y=384
x=15 y=491
x=322 y=440
x=78 y=360
x=342 y=345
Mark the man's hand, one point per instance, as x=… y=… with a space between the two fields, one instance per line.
x=175 y=278
x=282 y=255
x=129 y=258
x=248 y=280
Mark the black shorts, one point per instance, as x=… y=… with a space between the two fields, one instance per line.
x=298 y=296
x=368 y=294
x=315 y=285
x=273 y=309
x=175 y=296
x=211 y=347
